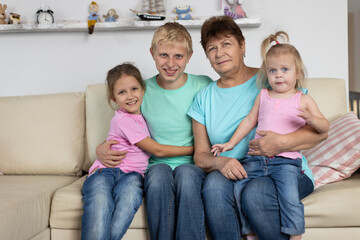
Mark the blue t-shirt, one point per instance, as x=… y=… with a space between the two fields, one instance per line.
x=222 y=109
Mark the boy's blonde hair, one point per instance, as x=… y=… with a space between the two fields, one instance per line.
x=172 y=32
x=117 y=72
x=277 y=49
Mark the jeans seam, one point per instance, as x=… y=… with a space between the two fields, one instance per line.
x=170 y=217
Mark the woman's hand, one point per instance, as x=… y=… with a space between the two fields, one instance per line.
x=109 y=158
x=232 y=169
x=269 y=144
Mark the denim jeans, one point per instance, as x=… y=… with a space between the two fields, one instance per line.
x=173 y=202
x=284 y=172
x=111 y=199
x=259 y=203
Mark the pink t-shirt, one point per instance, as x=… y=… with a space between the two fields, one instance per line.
x=128 y=129
x=280 y=116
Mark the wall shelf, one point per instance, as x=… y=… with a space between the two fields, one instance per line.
x=121 y=24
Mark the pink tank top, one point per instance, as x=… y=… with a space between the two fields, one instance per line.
x=280 y=116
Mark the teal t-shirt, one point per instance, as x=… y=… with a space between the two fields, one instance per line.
x=222 y=109
x=165 y=114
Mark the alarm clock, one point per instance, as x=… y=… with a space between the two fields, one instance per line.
x=44 y=15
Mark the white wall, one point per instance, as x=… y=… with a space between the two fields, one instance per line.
x=39 y=63
x=354 y=45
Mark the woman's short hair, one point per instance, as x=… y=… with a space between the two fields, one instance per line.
x=218 y=27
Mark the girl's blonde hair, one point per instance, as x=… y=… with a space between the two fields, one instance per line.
x=277 y=49
x=117 y=72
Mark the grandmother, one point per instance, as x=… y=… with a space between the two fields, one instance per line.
x=216 y=112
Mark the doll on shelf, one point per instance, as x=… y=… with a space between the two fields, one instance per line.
x=93 y=16
x=235 y=11
x=111 y=16
x=183 y=12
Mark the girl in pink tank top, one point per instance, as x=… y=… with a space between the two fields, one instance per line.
x=280 y=107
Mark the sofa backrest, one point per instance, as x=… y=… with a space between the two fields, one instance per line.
x=42 y=134
x=98 y=116
x=330 y=96
x=329 y=93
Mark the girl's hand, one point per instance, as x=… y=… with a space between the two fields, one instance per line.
x=219 y=148
x=306 y=115
x=109 y=158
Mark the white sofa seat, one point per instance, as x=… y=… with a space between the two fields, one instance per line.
x=25 y=204
x=333 y=205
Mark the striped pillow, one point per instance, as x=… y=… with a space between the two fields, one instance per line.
x=337 y=157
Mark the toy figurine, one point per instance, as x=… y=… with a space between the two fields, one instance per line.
x=93 y=17
x=2 y=13
x=14 y=18
x=111 y=16
x=235 y=11
x=183 y=12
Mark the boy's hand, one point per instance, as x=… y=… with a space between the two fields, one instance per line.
x=109 y=158
x=219 y=148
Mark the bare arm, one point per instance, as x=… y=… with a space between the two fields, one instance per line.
x=109 y=158
x=160 y=150
x=310 y=112
x=272 y=143
x=231 y=168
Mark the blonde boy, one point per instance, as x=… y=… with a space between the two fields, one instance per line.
x=172 y=185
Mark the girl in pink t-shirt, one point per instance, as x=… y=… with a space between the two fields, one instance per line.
x=121 y=187
x=280 y=107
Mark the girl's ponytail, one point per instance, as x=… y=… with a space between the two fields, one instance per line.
x=265 y=45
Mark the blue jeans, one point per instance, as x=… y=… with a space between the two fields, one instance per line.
x=111 y=199
x=173 y=202
x=259 y=203
x=284 y=172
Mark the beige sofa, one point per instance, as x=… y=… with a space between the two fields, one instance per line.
x=46 y=141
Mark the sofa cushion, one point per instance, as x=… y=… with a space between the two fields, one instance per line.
x=42 y=134
x=334 y=205
x=98 y=116
x=337 y=157
x=67 y=208
x=25 y=204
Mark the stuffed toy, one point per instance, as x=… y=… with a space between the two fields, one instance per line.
x=235 y=11
x=14 y=18
x=183 y=12
x=93 y=16
x=111 y=16
x=3 y=14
